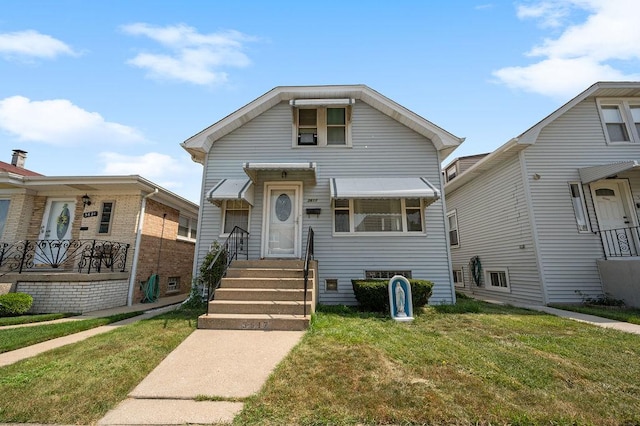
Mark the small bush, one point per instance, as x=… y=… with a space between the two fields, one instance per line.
x=373 y=295
x=12 y=304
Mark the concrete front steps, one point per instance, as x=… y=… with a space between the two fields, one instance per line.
x=261 y=295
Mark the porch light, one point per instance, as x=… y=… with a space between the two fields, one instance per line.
x=86 y=200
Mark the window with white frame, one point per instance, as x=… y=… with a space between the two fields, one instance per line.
x=497 y=279
x=620 y=119
x=378 y=215
x=106 y=217
x=458 y=277
x=451 y=172
x=579 y=206
x=4 y=212
x=454 y=236
x=385 y=274
x=236 y=213
x=187 y=227
x=322 y=126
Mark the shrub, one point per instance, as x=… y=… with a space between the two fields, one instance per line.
x=373 y=295
x=12 y=304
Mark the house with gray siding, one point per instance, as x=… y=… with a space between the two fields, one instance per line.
x=345 y=164
x=552 y=216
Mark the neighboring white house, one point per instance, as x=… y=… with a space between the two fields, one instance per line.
x=552 y=215
x=360 y=170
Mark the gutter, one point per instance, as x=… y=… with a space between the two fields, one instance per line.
x=134 y=267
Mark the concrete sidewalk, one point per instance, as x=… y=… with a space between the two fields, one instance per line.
x=228 y=365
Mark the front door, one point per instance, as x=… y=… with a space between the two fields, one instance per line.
x=56 y=226
x=281 y=223
x=616 y=218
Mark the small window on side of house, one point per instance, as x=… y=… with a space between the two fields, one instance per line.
x=458 y=277
x=173 y=284
x=579 y=206
x=331 y=284
x=106 y=217
x=187 y=227
x=498 y=279
x=454 y=236
x=451 y=173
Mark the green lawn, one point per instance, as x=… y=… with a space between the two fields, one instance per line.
x=29 y=319
x=79 y=383
x=20 y=337
x=488 y=365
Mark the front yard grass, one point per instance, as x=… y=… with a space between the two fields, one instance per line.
x=474 y=363
x=16 y=338
x=624 y=314
x=79 y=383
x=29 y=319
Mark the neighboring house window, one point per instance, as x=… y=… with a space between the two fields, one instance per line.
x=458 y=278
x=385 y=275
x=236 y=213
x=620 y=119
x=451 y=172
x=331 y=284
x=322 y=126
x=173 y=284
x=106 y=217
x=579 y=207
x=498 y=279
x=378 y=215
x=4 y=212
x=452 y=218
x=187 y=227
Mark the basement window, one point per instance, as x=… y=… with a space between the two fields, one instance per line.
x=331 y=284
x=386 y=275
x=498 y=279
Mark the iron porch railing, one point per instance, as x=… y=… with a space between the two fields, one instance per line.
x=307 y=261
x=621 y=242
x=82 y=256
x=236 y=244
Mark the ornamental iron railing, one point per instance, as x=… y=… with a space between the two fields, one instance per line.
x=621 y=242
x=82 y=256
x=307 y=264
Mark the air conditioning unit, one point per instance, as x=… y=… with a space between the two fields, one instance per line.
x=307 y=138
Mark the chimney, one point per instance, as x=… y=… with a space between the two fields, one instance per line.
x=18 y=158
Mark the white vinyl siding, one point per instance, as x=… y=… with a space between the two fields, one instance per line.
x=376 y=138
x=492 y=212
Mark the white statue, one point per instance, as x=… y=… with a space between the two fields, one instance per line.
x=400 y=300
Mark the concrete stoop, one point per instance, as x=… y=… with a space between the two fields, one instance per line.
x=261 y=295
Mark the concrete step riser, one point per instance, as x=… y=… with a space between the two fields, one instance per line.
x=222 y=307
x=266 y=295
x=265 y=273
x=290 y=283
x=293 y=324
x=269 y=263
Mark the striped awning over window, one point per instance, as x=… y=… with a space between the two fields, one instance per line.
x=383 y=188
x=231 y=189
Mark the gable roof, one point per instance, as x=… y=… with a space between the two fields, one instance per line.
x=529 y=137
x=10 y=168
x=199 y=144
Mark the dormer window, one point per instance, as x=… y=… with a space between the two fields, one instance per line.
x=451 y=173
x=322 y=122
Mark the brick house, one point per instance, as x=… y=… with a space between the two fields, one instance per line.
x=82 y=243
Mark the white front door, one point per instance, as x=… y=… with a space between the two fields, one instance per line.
x=615 y=216
x=281 y=223
x=56 y=226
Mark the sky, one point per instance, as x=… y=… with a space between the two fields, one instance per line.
x=113 y=87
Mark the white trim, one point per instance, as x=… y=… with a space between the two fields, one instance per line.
x=321 y=102
x=297 y=187
x=487 y=279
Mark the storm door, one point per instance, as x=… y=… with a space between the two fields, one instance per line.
x=281 y=223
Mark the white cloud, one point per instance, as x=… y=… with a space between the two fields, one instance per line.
x=32 y=44
x=59 y=122
x=165 y=170
x=191 y=57
x=583 y=53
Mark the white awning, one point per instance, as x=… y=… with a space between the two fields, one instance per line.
x=252 y=169
x=231 y=189
x=591 y=174
x=383 y=188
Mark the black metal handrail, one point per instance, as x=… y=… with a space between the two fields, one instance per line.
x=621 y=242
x=307 y=261
x=63 y=256
x=236 y=243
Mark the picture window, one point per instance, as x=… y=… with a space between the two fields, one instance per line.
x=362 y=215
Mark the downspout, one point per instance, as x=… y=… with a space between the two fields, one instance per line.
x=136 y=251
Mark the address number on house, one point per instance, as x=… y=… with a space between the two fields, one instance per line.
x=255 y=325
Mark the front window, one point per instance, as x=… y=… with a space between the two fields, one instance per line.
x=322 y=126
x=187 y=227
x=236 y=213
x=452 y=219
x=378 y=215
x=579 y=209
x=4 y=212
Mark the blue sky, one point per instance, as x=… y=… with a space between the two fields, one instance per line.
x=113 y=87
